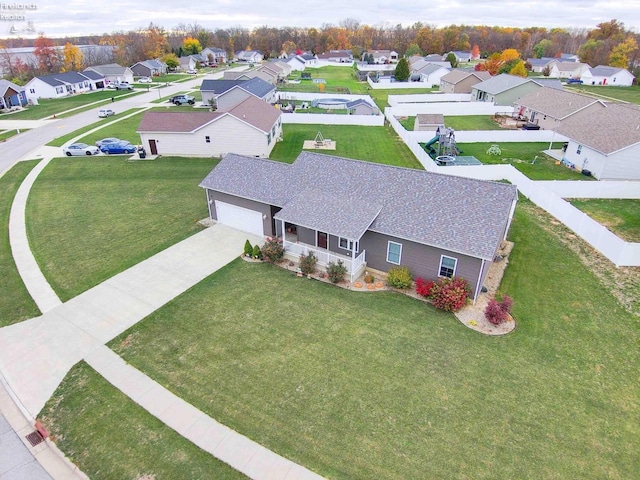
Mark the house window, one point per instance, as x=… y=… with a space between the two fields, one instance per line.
x=347 y=244
x=207 y=139
x=268 y=138
x=394 y=252
x=447 y=266
x=579 y=149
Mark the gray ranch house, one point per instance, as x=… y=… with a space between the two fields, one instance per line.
x=366 y=214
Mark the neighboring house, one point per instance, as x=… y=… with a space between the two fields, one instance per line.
x=269 y=72
x=284 y=66
x=539 y=64
x=62 y=84
x=607 y=143
x=228 y=93
x=435 y=225
x=382 y=56
x=215 y=55
x=461 y=81
x=428 y=122
x=337 y=56
x=234 y=75
x=429 y=74
x=252 y=127
x=149 y=68
x=362 y=107
x=422 y=63
x=11 y=95
x=569 y=57
x=568 y=69
x=432 y=57
x=550 y=82
x=550 y=108
x=604 y=75
x=249 y=56
x=112 y=73
x=461 y=57
x=299 y=62
x=188 y=62
x=502 y=89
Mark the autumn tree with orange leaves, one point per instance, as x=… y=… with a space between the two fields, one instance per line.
x=46 y=55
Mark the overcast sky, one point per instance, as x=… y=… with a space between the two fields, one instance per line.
x=75 y=17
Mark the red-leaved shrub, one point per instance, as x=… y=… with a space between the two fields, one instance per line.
x=450 y=294
x=494 y=313
x=497 y=312
x=424 y=288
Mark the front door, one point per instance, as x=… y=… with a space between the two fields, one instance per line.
x=322 y=240
x=152 y=147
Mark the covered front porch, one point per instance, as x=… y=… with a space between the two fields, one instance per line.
x=355 y=262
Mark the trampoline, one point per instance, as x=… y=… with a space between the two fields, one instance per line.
x=466 y=160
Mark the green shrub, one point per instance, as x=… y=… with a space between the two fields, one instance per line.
x=272 y=250
x=248 y=249
x=256 y=252
x=399 y=277
x=369 y=278
x=308 y=263
x=336 y=271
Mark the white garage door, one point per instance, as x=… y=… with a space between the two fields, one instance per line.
x=241 y=218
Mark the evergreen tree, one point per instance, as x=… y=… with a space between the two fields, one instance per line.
x=402 y=72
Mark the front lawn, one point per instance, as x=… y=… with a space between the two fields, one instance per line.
x=527 y=157
x=15 y=302
x=124 y=129
x=50 y=106
x=111 y=437
x=357 y=385
x=374 y=144
x=91 y=218
x=471 y=122
x=621 y=216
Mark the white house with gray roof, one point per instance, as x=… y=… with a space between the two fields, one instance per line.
x=225 y=94
x=251 y=127
x=112 y=72
x=436 y=225
x=607 y=143
x=503 y=89
x=568 y=69
x=461 y=81
x=428 y=73
x=60 y=85
x=605 y=75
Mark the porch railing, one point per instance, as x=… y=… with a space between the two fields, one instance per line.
x=353 y=265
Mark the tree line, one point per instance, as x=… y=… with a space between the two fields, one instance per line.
x=608 y=43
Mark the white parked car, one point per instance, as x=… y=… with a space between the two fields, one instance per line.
x=105 y=112
x=144 y=80
x=80 y=149
x=191 y=71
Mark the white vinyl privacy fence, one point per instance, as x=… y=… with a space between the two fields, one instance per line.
x=494 y=136
x=458 y=108
x=547 y=195
x=396 y=100
x=333 y=119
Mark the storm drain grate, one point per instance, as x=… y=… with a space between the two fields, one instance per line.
x=34 y=438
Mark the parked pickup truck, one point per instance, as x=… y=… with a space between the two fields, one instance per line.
x=182 y=99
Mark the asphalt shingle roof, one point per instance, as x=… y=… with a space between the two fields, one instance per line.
x=500 y=83
x=6 y=84
x=463 y=215
x=63 y=78
x=257 y=87
x=611 y=129
x=456 y=76
x=219 y=86
x=605 y=71
x=556 y=103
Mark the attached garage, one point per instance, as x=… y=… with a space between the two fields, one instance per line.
x=244 y=219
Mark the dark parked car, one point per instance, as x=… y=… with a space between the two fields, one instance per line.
x=115 y=148
x=574 y=80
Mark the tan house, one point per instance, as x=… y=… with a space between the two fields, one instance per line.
x=251 y=127
x=461 y=81
x=549 y=107
x=568 y=69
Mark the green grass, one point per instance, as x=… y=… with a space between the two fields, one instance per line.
x=407 y=122
x=358 y=385
x=471 y=122
x=91 y=218
x=627 y=94
x=50 y=106
x=381 y=97
x=11 y=133
x=620 y=216
x=521 y=156
x=110 y=437
x=375 y=144
x=15 y=302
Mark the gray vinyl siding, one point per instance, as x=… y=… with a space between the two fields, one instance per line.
x=267 y=223
x=511 y=95
x=233 y=97
x=421 y=260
